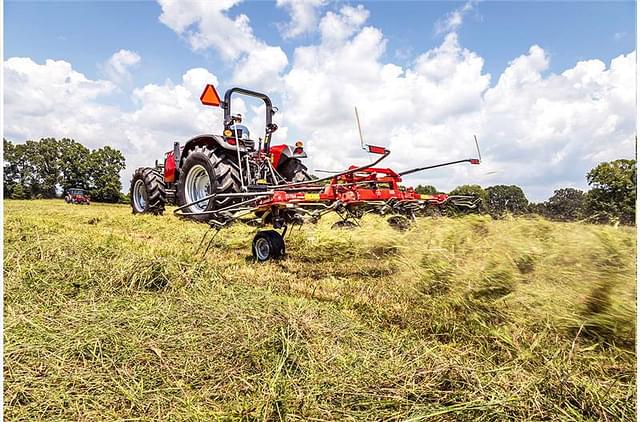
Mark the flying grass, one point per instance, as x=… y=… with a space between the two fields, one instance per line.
x=114 y=316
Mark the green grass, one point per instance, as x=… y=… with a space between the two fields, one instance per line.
x=113 y=316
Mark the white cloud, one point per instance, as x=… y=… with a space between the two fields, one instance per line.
x=304 y=16
x=453 y=20
x=208 y=25
x=619 y=35
x=52 y=99
x=336 y=27
x=118 y=67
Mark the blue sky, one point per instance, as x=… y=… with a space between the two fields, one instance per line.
x=86 y=34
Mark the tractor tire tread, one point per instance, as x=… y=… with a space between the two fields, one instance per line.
x=226 y=173
x=156 y=189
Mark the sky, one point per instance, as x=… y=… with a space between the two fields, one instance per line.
x=548 y=87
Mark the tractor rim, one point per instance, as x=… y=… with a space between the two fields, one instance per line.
x=139 y=195
x=263 y=249
x=197 y=187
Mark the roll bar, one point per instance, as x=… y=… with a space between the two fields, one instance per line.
x=226 y=105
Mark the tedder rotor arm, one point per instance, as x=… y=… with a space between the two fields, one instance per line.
x=466 y=160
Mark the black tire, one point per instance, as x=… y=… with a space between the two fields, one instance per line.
x=147 y=191
x=223 y=177
x=267 y=244
x=294 y=171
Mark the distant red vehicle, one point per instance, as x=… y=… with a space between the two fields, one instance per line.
x=77 y=196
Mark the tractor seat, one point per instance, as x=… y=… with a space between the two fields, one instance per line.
x=243 y=133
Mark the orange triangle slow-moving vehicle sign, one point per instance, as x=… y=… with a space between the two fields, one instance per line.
x=209 y=96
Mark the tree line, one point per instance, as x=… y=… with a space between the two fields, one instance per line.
x=40 y=169
x=611 y=199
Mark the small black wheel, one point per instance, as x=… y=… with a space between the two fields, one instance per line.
x=344 y=225
x=267 y=244
x=399 y=222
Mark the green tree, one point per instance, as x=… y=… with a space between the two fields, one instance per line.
x=503 y=199
x=44 y=155
x=613 y=193
x=10 y=175
x=74 y=165
x=565 y=205
x=426 y=189
x=19 y=170
x=105 y=165
x=39 y=168
x=18 y=192
x=539 y=208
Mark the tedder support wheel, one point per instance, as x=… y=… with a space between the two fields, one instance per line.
x=207 y=169
x=267 y=244
x=147 y=191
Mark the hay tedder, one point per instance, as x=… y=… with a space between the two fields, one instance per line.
x=221 y=179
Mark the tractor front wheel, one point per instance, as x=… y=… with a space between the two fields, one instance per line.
x=267 y=244
x=206 y=171
x=147 y=191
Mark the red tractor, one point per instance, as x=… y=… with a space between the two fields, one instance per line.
x=230 y=163
x=230 y=177
x=77 y=196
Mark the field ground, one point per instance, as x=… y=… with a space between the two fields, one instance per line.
x=109 y=316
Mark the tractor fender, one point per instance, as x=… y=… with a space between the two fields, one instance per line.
x=208 y=139
x=280 y=153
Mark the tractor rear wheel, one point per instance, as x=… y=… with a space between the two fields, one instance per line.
x=147 y=191
x=205 y=171
x=294 y=171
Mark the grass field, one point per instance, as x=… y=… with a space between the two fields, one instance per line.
x=111 y=316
